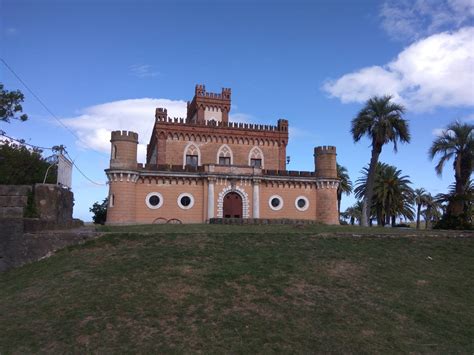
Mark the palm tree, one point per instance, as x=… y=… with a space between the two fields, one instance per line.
x=432 y=211
x=381 y=120
x=354 y=212
x=392 y=195
x=456 y=141
x=345 y=185
x=420 y=195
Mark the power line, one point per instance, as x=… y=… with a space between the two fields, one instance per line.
x=46 y=107
x=80 y=171
x=22 y=141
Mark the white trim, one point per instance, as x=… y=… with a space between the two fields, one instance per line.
x=190 y=144
x=219 y=151
x=305 y=207
x=184 y=194
x=241 y=192
x=150 y=206
x=280 y=206
x=261 y=156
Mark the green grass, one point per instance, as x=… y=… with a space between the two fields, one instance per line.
x=244 y=289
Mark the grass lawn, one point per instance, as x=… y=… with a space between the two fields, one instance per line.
x=245 y=289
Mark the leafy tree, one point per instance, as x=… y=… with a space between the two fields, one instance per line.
x=432 y=212
x=22 y=166
x=456 y=142
x=392 y=194
x=381 y=120
x=100 y=211
x=10 y=105
x=345 y=185
x=420 y=197
x=354 y=213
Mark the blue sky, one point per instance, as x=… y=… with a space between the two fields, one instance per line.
x=105 y=65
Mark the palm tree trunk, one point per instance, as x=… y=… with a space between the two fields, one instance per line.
x=369 y=188
x=339 y=198
x=418 y=211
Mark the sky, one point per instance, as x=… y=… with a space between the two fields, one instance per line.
x=105 y=65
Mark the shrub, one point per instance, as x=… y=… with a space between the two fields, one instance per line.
x=100 y=211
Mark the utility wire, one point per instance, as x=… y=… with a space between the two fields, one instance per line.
x=21 y=141
x=46 y=107
x=80 y=171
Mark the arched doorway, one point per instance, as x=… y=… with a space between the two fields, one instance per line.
x=232 y=205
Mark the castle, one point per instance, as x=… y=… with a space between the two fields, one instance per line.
x=205 y=167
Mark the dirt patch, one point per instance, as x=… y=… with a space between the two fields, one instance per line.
x=177 y=291
x=301 y=293
x=344 y=269
x=367 y=333
x=422 y=282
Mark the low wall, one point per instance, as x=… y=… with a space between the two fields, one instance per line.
x=23 y=239
x=262 y=221
x=19 y=247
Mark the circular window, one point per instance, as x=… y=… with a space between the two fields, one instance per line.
x=154 y=200
x=301 y=203
x=275 y=202
x=185 y=201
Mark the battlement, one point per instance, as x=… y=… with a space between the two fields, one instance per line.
x=124 y=136
x=200 y=91
x=329 y=149
x=281 y=127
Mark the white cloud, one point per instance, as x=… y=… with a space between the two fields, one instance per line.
x=143 y=71
x=411 y=20
x=437 y=71
x=94 y=124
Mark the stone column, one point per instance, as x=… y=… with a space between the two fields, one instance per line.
x=256 y=199
x=210 y=198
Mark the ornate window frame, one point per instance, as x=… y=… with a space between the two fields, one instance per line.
x=280 y=206
x=195 y=150
x=231 y=154
x=305 y=207
x=256 y=153
x=149 y=205
x=185 y=194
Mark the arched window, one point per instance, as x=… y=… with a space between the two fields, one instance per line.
x=114 y=152
x=224 y=155
x=256 y=157
x=192 y=155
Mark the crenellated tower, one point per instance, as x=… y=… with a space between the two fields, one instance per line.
x=124 y=150
x=207 y=106
x=122 y=176
x=327 y=183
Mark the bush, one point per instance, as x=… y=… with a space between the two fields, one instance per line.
x=100 y=211
x=453 y=222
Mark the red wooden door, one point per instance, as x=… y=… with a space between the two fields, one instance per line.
x=232 y=205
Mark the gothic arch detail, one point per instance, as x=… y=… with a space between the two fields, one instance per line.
x=225 y=151
x=256 y=153
x=191 y=149
x=238 y=190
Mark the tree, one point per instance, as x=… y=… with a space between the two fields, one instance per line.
x=354 y=212
x=381 y=120
x=100 y=211
x=420 y=199
x=22 y=166
x=392 y=194
x=10 y=105
x=345 y=185
x=456 y=141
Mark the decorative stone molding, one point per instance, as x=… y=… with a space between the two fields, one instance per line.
x=123 y=176
x=327 y=184
x=241 y=192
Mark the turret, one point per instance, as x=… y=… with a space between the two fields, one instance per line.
x=124 y=150
x=325 y=162
x=207 y=106
x=161 y=114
